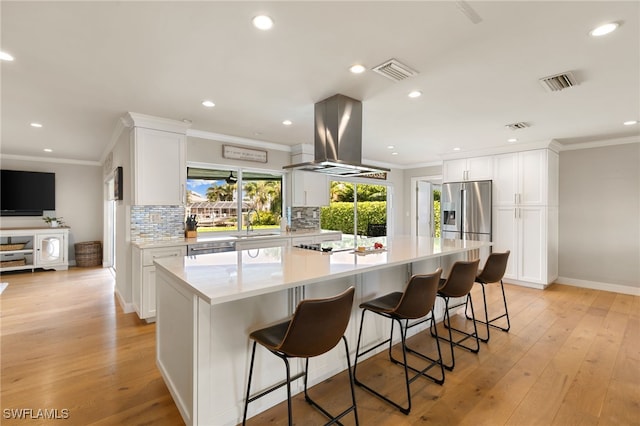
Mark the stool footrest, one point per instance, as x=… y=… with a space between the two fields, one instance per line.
x=274 y=387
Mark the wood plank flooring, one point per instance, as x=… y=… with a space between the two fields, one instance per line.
x=572 y=358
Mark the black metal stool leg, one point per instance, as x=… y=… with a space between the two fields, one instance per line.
x=246 y=400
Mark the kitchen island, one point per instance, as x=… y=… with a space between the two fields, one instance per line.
x=207 y=306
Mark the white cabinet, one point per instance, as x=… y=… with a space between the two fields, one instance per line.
x=159 y=167
x=31 y=248
x=476 y=168
x=144 y=277
x=51 y=250
x=525 y=214
x=525 y=178
x=523 y=231
x=309 y=189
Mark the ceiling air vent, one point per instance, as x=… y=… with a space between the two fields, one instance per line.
x=558 y=82
x=516 y=126
x=395 y=70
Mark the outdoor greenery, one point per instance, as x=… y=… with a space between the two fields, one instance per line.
x=343 y=192
x=339 y=216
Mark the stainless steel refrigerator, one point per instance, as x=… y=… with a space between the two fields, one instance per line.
x=466 y=210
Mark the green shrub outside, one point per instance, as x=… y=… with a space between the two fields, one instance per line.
x=338 y=216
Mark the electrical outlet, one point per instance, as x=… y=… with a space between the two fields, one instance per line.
x=299 y=215
x=154 y=217
x=315 y=215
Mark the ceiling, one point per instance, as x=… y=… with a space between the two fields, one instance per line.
x=80 y=66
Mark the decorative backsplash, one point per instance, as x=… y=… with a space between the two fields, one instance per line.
x=152 y=223
x=304 y=218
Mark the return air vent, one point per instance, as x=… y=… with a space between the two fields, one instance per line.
x=394 y=70
x=516 y=126
x=558 y=82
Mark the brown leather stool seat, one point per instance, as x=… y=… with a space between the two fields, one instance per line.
x=493 y=272
x=458 y=284
x=316 y=327
x=415 y=302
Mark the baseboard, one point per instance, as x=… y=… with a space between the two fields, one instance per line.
x=594 y=285
x=127 y=308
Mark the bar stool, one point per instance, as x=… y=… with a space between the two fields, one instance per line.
x=493 y=272
x=416 y=302
x=458 y=284
x=316 y=327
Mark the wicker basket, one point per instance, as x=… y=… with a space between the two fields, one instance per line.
x=89 y=253
x=10 y=247
x=12 y=263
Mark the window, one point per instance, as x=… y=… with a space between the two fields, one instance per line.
x=220 y=199
x=358 y=210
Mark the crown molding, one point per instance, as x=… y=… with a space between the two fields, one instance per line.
x=602 y=143
x=134 y=119
x=51 y=160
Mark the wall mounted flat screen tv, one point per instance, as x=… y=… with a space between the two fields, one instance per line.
x=26 y=193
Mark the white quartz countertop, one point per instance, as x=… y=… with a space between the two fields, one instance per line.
x=228 y=276
x=238 y=236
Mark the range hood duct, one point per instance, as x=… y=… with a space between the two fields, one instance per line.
x=338 y=139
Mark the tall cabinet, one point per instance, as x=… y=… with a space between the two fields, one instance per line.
x=525 y=201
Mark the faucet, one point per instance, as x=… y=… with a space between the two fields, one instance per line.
x=249 y=222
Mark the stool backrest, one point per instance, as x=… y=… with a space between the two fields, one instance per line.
x=461 y=279
x=419 y=296
x=317 y=325
x=494 y=268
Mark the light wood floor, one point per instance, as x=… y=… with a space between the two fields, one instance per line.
x=572 y=358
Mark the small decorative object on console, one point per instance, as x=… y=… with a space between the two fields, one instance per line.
x=54 y=222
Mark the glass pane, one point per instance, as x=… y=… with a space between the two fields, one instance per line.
x=359 y=211
x=50 y=249
x=212 y=199
x=262 y=196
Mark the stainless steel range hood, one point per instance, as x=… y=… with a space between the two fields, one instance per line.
x=338 y=139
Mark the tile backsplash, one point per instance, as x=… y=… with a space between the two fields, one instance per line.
x=304 y=218
x=152 y=223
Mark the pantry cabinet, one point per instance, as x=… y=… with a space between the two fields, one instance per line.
x=525 y=178
x=525 y=215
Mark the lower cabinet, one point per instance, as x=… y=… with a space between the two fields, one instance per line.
x=529 y=232
x=32 y=248
x=144 y=278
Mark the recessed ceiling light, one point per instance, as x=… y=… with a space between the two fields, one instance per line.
x=394 y=153
x=262 y=22
x=4 y=56
x=47 y=150
x=604 y=29
x=390 y=147
x=512 y=140
x=630 y=122
x=287 y=122
x=415 y=94
x=208 y=104
x=38 y=125
x=357 y=69
x=456 y=149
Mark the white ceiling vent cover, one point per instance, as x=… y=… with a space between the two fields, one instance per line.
x=555 y=83
x=516 y=126
x=395 y=70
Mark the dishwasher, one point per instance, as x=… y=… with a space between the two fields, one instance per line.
x=210 y=247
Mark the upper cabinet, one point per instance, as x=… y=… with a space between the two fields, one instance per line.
x=158 y=159
x=309 y=189
x=159 y=167
x=526 y=178
x=467 y=169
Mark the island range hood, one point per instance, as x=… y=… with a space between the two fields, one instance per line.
x=338 y=139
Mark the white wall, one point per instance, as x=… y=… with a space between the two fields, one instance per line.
x=78 y=199
x=599 y=216
x=435 y=170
